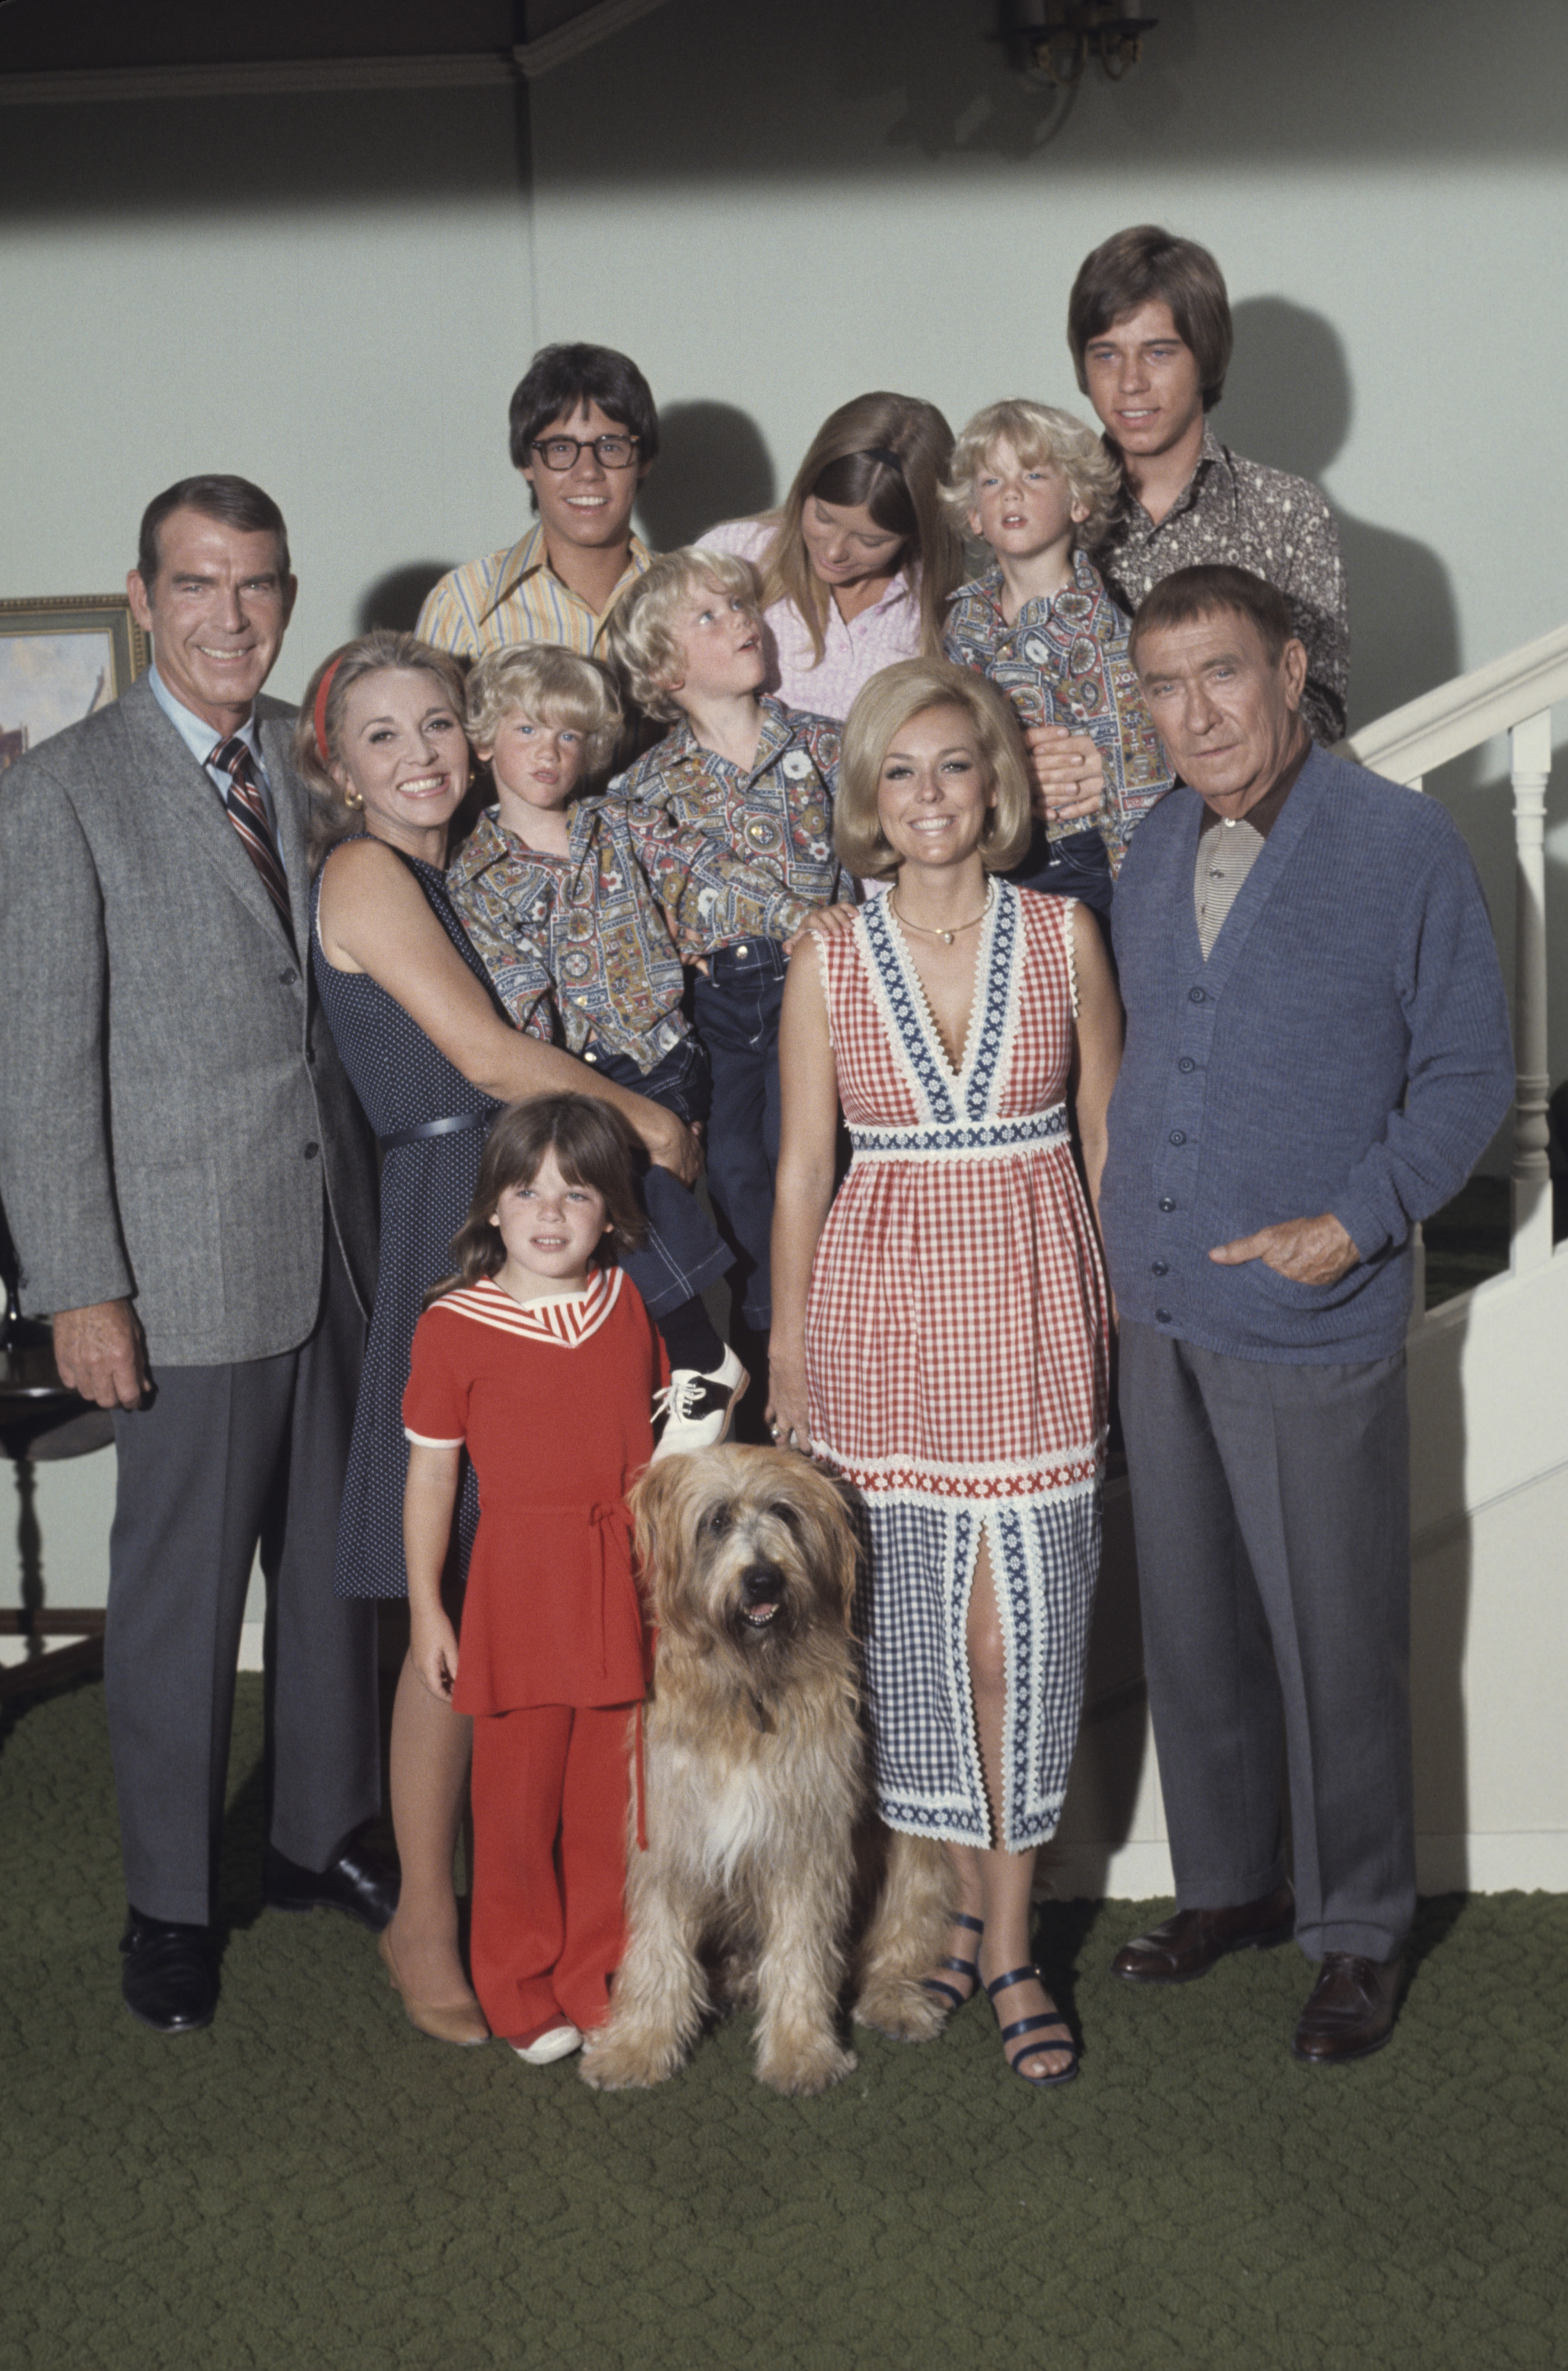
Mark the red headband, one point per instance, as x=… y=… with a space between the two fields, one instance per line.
x=322 y=688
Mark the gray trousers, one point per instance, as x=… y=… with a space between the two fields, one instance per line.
x=224 y=1459
x=1271 y=1506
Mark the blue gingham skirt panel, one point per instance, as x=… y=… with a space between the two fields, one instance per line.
x=913 y=1614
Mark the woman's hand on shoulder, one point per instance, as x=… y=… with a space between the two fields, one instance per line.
x=823 y=922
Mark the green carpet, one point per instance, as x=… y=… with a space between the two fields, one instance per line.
x=310 y=2182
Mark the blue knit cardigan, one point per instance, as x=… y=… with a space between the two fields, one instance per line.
x=1343 y=1049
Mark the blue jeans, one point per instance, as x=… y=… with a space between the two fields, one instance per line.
x=682 y=1253
x=737 y=1009
x=1074 y=866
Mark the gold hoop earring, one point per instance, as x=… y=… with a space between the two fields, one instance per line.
x=353 y=798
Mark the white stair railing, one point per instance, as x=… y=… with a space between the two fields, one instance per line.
x=1513 y=695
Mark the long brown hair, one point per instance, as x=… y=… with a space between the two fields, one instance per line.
x=890 y=454
x=592 y=1146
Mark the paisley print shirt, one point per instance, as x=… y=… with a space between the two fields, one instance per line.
x=1064 y=661
x=575 y=944
x=732 y=854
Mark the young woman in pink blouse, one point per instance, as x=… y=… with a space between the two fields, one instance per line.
x=858 y=564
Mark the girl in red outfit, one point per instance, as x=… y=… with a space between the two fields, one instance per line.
x=544 y=1367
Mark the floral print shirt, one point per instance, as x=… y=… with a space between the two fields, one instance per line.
x=734 y=855
x=1064 y=661
x=576 y=946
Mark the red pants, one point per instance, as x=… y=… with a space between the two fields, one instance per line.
x=550 y=1789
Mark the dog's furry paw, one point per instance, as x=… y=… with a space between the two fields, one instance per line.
x=615 y=2062
x=902 y=2009
x=806 y=2068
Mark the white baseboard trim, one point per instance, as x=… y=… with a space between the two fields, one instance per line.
x=14 y=1648
x=1529 y=1860
x=1526 y=1860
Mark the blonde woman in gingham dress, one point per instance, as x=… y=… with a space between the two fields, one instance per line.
x=942 y=1332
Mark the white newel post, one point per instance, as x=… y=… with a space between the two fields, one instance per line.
x=1531 y=747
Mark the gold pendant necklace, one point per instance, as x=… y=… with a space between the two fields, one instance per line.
x=947 y=937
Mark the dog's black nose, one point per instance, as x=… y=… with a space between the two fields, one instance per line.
x=762 y=1584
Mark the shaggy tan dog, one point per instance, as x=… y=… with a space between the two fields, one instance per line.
x=763 y=1850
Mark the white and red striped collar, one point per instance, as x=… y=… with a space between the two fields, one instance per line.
x=564 y=1318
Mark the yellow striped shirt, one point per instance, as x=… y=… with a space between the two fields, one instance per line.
x=515 y=596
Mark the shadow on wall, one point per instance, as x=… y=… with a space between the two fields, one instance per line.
x=712 y=465
x=1288 y=402
x=396 y=598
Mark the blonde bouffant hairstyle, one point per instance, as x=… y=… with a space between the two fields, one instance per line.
x=317 y=741
x=551 y=686
x=1043 y=438
x=639 y=637
x=889 y=701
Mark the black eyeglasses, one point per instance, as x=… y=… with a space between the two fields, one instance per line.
x=561 y=452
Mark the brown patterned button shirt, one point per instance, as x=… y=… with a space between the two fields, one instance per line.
x=1238 y=511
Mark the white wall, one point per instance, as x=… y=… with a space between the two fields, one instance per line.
x=334 y=305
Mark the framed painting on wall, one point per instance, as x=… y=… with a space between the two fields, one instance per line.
x=60 y=659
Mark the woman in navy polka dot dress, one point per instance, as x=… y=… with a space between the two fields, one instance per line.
x=381 y=743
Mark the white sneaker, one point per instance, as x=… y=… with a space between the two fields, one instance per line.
x=558 y=2042
x=698 y=1408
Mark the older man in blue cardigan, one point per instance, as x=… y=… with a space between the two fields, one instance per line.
x=1317 y=1053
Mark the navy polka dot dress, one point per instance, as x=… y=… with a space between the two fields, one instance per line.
x=402 y=1081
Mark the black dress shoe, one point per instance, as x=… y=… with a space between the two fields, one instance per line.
x=168 y=1978
x=1188 y=1944
x=356 y=1881
x=1350 y=2010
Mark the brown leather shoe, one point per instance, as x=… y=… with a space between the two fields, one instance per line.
x=1188 y=1944
x=1349 y=2011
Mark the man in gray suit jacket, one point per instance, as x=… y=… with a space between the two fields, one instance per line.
x=192 y=1190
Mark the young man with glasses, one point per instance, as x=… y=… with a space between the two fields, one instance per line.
x=584 y=435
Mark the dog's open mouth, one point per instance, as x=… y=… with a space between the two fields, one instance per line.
x=762 y=1594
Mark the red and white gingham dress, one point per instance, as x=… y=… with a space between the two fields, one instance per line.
x=957 y=1348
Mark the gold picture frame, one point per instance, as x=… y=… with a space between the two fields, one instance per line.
x=61 y=657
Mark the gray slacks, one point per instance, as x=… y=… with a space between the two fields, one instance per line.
x=224 y=1459
x=1271 y=1504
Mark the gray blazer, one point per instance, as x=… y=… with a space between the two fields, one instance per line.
x=170 y=1097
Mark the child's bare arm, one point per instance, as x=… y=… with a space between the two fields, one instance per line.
x=430 y=1499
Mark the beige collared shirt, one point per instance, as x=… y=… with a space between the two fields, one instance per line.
x=515 y=596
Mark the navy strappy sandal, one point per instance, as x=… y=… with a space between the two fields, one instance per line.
x=1032 y=2025
x=959 y=1967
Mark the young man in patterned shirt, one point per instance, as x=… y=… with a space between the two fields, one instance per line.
x=551 y=893
x=1037 y=486
x=583 y=435
x=1148 y=322
x=732 y=817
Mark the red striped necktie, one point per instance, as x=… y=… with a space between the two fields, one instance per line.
x=248 y=813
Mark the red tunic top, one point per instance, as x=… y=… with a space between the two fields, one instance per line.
x=554 y=1403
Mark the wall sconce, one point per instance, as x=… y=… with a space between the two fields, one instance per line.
x=1056 y=39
